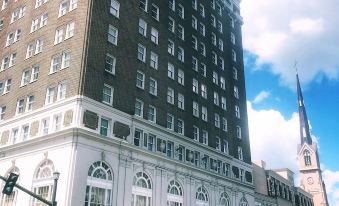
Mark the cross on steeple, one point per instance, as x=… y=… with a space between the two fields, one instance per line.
x=305 y=135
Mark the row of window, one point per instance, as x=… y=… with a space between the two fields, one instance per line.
x=99 y=188
x=25 y=104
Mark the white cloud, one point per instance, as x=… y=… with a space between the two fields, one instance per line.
x=282 y=31
x=274 y=139
x=261 y=96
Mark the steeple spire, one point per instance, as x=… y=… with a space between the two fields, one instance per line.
x=305 y=135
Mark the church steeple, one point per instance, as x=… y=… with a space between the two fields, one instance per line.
x=305 y=136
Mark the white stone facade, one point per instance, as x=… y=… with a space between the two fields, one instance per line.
x=118 y=168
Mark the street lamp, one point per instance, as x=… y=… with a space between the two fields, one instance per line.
x=56 y=176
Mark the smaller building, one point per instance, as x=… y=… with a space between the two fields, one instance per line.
x=276 y=187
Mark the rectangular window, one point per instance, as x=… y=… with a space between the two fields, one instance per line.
x=20 y=106
x=234 y=56
x=107 y=94
x=204 y=91
x=180 y=126
x=153 y=87
x=34 y=25
x=170 y=122
x=221 y=45
x=57 y=122
x=15 y=134
x=62 y=8
x=143 y=4
x=29 y=102
x=181 y=101
x=240 y=155
x=181 y=54
x=141 y=53
x=12 y=59
x=225 y=147
x=235 y=73
x=171 y=4
x=195 y=133
x=104 y=124
x=152 y=113
x=221 y=63
x=171 y=24
x=237 y=111
x=181 y=153
x=170 y=47
x=155 y=12
x=62 y=90
x=236 y=92
x=170 y=71
x=2 y=112
x=181 y=32
x=214 y=39
x=49 y=95
x=110 y=64
x=137 y=137
x=73 y=5
x=25 y=132
x=216 y=120
x=151 y=142
x=181 y=77
x=181 y=11
x=140 y=82
x=217 y=143
x=223 y=103
x=69 y=30
x=170 y=95
x=112 y=35
x=8 y=86
x=239 y=132
x=216 y=98
x=66 y=59
x=195 y=87
x=204 y=137
x=142 y=27
x=25 y=77
x=194 y=23
x=38 y=46
x=219 y=26
x=35 y=73
x=55 y=64
x=203 y=71
x=222 y=83
x=139 y=108
x=114 y=8
x=224 y=124
x=154 y=60
x=202 y=10
x=194 y=63
x=194 y=42
x=43 y=20
x=161 y=145
x=195 y=109
x=232 y=38
x=29 y=50
x=154 y=35
x=202 y=29
x=194 y=4
x=204 y=114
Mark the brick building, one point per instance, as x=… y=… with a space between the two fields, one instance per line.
x=134 y=102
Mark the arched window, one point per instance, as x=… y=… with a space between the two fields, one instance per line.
x=224 y=200
x=243 y=202
x=43 y=181
x=307 y=158
x=201 y=197
x=99 y=185
x=9 y=200
x=174 y=194
x=141 y=190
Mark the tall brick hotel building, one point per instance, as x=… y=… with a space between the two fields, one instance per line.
x=134 y=102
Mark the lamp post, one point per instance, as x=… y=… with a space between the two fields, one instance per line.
x=56 y=177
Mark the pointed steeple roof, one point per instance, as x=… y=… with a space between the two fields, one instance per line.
x=305 y=136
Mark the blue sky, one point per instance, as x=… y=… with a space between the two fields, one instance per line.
x=275 y=35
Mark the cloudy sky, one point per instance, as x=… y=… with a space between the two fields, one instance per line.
x=276 y=34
